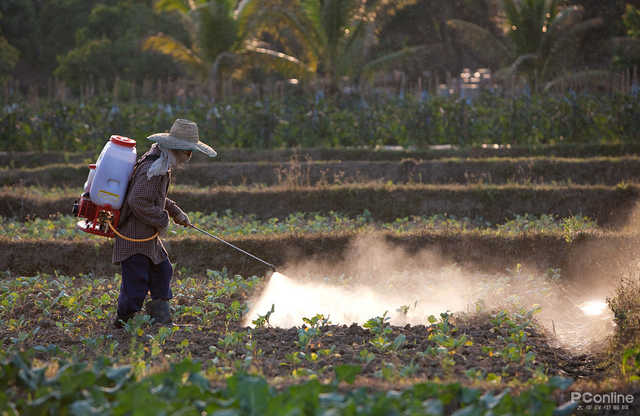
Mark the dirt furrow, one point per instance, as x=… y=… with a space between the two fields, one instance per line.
x=587 y=258
x=496 y=171
x=607 y=205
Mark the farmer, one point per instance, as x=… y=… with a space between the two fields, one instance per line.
x=145 y=213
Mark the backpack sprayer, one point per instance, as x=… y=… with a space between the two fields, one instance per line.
x=105 y=190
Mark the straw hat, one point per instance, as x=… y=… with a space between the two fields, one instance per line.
x=183 y=136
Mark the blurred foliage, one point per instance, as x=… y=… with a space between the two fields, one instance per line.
x=107 y=47
x=627 y=48
x=336 y=37
x=424 y=23
x=223 y=40
x=631 y=21
x=8 y=56
x=307 y=121
x=87 y=41
x=542 y=45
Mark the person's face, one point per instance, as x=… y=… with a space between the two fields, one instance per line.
x=182 y=156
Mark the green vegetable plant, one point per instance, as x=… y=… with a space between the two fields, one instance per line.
x=311 y=330
x=381 y=330
x=512 y=329
x=262 y=321
x=447 y=344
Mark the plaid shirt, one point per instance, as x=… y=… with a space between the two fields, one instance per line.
x=145 y=211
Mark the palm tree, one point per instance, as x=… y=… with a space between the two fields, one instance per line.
x=542 y=42
x=221 y=38
x=336 y=37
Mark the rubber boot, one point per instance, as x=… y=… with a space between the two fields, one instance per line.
x=159 y=311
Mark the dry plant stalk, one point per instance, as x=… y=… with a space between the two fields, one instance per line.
x=296 y=174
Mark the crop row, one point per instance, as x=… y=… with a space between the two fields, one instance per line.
x=583 y=256
x=36 y=159
x=299 y=173
x=229 y=224
x=287 y=122
x=494 y=203
x=251 y=394
x=63 y=322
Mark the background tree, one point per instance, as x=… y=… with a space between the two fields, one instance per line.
x=627 y=48
x=41 y=30
x=108 y=46
x=221 y=38
x=8 y=56
x=542 y=43
x=425 y=22
x=336 y=38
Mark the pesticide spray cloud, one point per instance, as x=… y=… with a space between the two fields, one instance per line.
x=375 y=277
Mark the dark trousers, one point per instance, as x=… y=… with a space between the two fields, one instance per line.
x=139 y=276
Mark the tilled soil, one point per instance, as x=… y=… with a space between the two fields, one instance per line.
x=346 y=344
x=31 y=159
x=607 y=205
x=600 y=171
x=587 y=258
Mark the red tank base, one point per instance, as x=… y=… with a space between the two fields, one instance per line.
x=97 y=218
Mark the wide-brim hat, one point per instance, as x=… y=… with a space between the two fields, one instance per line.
x=183 y=136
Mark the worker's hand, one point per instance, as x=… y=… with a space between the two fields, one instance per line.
x=182 y=219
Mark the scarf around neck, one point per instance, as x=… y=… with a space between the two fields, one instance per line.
x=162 y=165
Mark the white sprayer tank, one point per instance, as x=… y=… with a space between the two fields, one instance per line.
x=113 y=170
x=92 y=173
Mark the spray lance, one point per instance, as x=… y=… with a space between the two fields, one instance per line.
x=271 y=266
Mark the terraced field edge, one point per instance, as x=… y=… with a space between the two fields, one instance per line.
x=607 y=171
x=586 y=258
x=610 y=206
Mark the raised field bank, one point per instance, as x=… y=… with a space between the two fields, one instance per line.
x=428 y=282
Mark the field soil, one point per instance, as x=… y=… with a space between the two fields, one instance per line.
x=33 y=159
x=600 y=171
x=348 y=341
x=587 y=259
x=609 y=206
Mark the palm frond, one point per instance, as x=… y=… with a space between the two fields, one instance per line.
x=305 y=47
x=527 y=20
x=583 y=79
x=169 y=46
x=245 y=15
x=218 y=30
x=335 y=17
x=186 y=11
x=181 y=6
x=566 y=18
x=381 y=12
x=354 y=50
x=564 y=51
x=520 y=65
x=482 y=44
x=278 y=61
x=359 y=38
x=224 y=61
x=390 y=59
x=303 y=26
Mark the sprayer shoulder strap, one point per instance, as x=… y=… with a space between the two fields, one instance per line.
x=124 y=215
